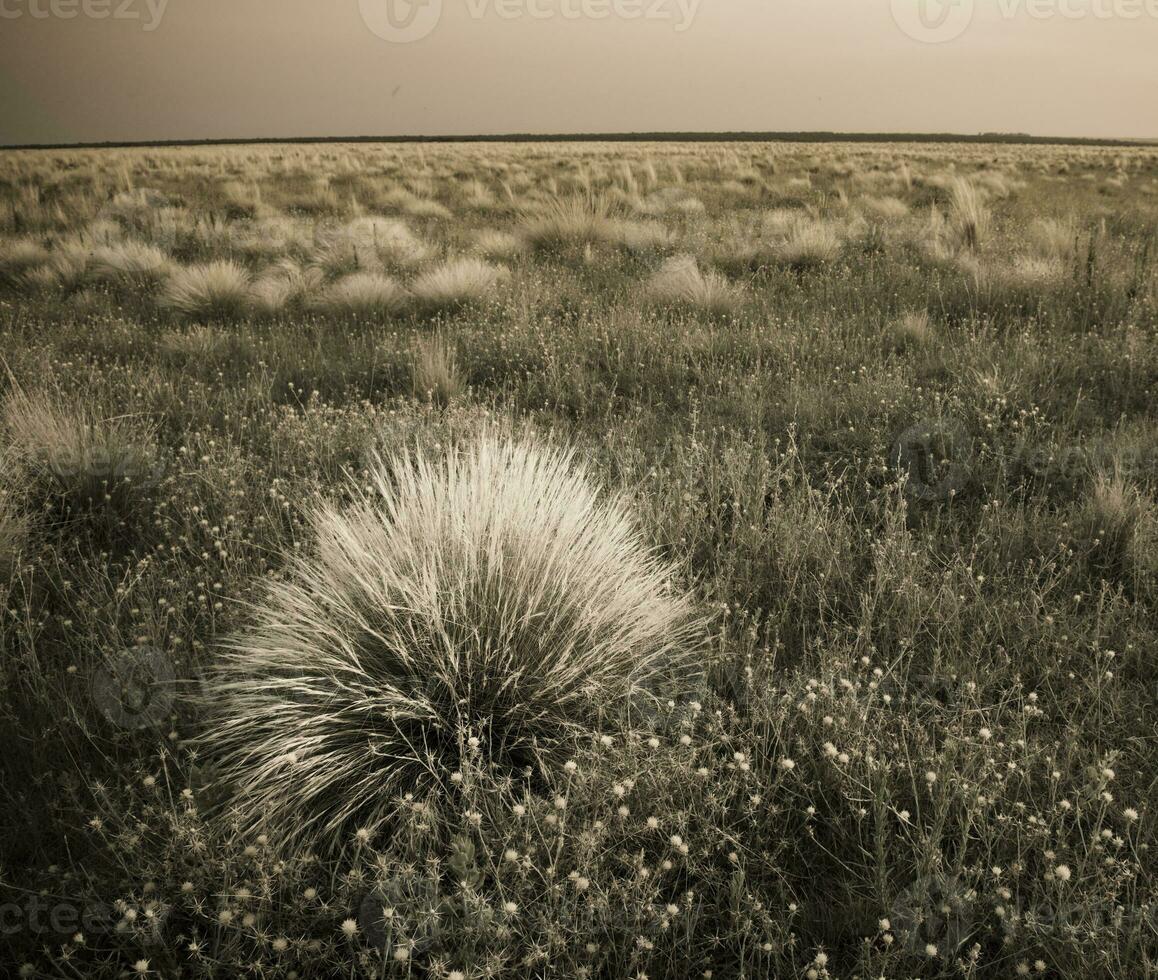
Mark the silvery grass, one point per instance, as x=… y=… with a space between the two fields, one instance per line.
x=492 y=597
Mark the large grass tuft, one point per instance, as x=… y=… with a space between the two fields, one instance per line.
x=215 y=291
x=492 y=594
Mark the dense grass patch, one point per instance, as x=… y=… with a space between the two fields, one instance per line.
x=884 y=413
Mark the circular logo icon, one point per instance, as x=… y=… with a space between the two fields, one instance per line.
x=933 y=456
x=933 y=911
x=401 y=910
x=401 y=21
x=933 y=21
x=135 y=688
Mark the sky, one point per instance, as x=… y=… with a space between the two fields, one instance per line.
x=139 y=70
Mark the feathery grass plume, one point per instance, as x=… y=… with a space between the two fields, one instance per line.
x=368 y=243
x=809 y=244
x=1052 y=238
x=911 y=331
x=491 y=593
x=435 y=374
x=562 y=222
x=361 y=293
x=422 y=207
x=477 y=196
x=498 y=245
x=135 y=210
x=457 y=283
x=641 y=236
x=271 y=237
x=70 y=263
x=286 y=287
x=69 y=453
x=1120 y=523
x=780 y=222
x=216 y=290
x=679 y=282
x=241 y=200
x=969 y=218
x=19 y=259
x=129 y=263
x=1033 y=271
x=885 y=208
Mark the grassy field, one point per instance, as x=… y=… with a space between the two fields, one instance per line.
x=864 y=443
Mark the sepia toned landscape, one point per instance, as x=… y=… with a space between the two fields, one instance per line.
x=579 y=560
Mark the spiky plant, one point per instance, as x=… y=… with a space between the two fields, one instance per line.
x=214 y=291
x=491 y=593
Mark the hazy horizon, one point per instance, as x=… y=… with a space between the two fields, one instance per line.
x=151 y=70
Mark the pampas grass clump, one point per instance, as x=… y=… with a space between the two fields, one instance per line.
x=19 y=260
x=910 y=331
x=457 y=283
x=679 y=282
x=968 y=216
x=129 y=263
x=885 y=208
x=494 y=244
x=809 y=244
x=580 y=220
x=369 y=243
x=286 y=288
x=68 y=453
x=362 y=293
x=491 y=594
x=217 y=290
